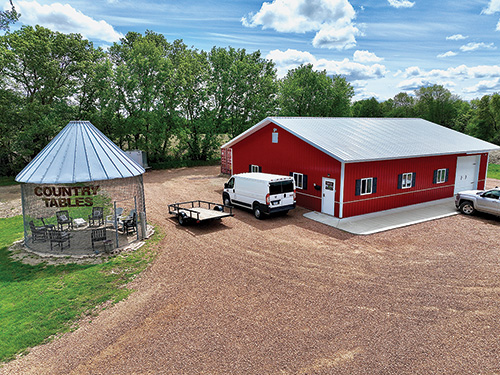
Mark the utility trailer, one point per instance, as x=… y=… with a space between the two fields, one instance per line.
x=198 y=211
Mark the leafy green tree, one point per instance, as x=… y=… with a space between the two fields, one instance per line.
x=242 y=89
x=7 y=17
x=141 y=71
x=44 y=70
x=485 y=120
x=402 y=105
x=306 y=92
x=437 y=104
x=367 y=108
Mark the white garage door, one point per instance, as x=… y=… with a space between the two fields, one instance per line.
x=467 y=173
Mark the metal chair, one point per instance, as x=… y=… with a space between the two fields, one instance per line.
x=64 y=218
x=97 y=235
x=38 y=233
x=59 y=237
x=96 y=216
x=129 y=225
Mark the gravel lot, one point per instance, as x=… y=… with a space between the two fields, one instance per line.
x=291 y=296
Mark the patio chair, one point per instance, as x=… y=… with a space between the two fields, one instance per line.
x=38 y=233
x=110 y=219
x=96 y=217
x=64 y=218
x=129 y=225
x=98 y=235
x=59 y=237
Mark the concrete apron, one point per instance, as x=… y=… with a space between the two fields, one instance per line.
x=389 y=219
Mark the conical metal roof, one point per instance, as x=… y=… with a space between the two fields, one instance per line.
x=79 y=153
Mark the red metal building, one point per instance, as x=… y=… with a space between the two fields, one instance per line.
x=350 y=166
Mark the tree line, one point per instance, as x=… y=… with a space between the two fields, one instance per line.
x=176 y=102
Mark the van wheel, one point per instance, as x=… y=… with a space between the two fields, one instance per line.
x=226 y=200
x=257 y=212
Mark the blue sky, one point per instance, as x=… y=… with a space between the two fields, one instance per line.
x=383 y=47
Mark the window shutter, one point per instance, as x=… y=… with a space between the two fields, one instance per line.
x=249 y=167
x=304 y=182
x=434 y=181
x=413 y=179
x=400 y=181
x=374 y=187
x=260 y=168
x=447 y=173
x=358 y=187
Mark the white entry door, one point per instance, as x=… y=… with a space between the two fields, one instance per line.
x=467 y=173
x=328 y=196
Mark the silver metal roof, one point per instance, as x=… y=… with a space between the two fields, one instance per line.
x=79 y=153
x=365 y=139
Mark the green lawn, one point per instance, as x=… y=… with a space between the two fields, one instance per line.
x=5 y=181
x=494 y=171
x=37 y=302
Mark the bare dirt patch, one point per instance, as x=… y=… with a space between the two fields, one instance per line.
x=291 y=296
x=10 y=201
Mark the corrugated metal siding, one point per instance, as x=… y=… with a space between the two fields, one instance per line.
x=290 y=154
x=482 y=172
x=388 y=195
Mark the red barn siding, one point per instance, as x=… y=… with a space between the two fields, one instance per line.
x=388 y=195
x=290 y=154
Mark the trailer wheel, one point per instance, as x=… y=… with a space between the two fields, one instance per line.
x=257 y=212
x=218 y=208
x=183 y=219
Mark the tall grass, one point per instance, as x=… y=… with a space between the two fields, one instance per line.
x=39 y=301
x=494 y=171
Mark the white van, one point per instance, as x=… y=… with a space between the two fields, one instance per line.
x=262 y=192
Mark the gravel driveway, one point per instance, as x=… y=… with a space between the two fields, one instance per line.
x=292 y=296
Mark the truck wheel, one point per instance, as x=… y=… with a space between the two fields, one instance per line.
x=226 y=200
x=182 y=219
x=257 y=212
x=467 y=208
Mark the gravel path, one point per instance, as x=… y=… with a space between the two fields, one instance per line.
x=292 y=296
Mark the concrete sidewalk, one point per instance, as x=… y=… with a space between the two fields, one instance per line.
x=389 y=219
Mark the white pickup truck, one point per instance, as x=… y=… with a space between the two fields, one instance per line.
x=263 y=193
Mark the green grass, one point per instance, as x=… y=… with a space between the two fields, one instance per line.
x=494 y=171
x=37 y=302
x=6 y=181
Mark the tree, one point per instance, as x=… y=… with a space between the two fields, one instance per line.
x=306 y=92
x=402 y=105
x=485 y=120
x=367 y=108
x=241 y=87
x=8 y=17
x=43 y=70
x=436 y=104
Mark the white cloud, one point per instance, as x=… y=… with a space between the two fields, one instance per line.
x=456 y=37
x=66 y=19
x=475 y=46
x=493 y=7
x=331 y=19
x=365 y=56
x=484 y=86
x=401 y=3
x=447 y=54
x=353 y=71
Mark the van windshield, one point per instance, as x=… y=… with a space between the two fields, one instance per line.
x=281 y=187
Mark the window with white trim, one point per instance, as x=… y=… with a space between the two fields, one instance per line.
x=299 y=180
x=440 y=176
x=255 y=168
x=406 y=180
x=366 y=186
